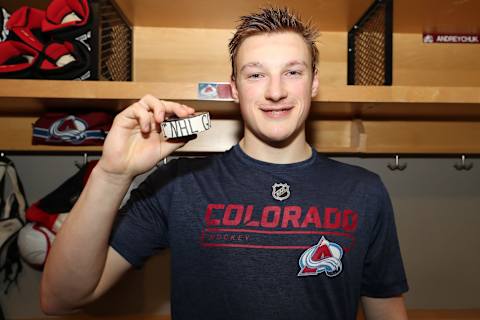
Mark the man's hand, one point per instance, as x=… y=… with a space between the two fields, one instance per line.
x=135 y=144
x=81 y=266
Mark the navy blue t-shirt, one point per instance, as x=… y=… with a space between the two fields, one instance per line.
x=255 y=240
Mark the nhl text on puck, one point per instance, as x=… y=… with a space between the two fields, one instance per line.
x=183 y=127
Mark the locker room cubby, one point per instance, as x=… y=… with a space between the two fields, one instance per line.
x=432 y=110
x=178 y=44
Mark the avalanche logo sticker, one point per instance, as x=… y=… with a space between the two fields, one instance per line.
x=325 y=256
x=70 y=128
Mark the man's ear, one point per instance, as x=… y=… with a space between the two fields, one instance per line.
x=233 y=85
x=315 y=83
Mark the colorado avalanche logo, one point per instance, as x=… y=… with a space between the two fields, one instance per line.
x=325 y=257
x=280 y=191
x=428 y=38
x=69 y=129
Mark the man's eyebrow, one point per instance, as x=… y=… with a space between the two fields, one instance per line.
x=251 y=65
x=297 y=62
x=259 y=65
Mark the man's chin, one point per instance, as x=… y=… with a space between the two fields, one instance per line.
x=279 y=139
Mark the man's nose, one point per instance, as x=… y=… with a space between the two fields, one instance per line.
x=276 y=89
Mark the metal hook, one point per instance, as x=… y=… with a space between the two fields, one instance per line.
x=84 y=163
x=397 y=165
x=463 y=165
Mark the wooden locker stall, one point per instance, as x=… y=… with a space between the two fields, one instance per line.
x=432 y=107
x=176 y=45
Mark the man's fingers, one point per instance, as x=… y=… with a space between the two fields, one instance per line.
x=155 y=106
x=162 y=108
x=177 y=109
x=149 y=112
x=189 y=109
x=139 y=113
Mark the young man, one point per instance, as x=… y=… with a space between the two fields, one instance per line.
x=268 y=230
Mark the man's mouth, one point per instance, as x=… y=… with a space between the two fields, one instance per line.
x=276 y=112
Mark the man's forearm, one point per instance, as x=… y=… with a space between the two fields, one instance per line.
x=77 y=259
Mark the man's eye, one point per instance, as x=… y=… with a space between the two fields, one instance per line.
x=254 y=76
x=294 y=73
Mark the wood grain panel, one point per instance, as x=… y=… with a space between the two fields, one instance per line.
x=337 y=15
x=412 y=16
x=434 y=64
x=181 y=55
x=331 y=136
x=193 y=55
x=427 y=136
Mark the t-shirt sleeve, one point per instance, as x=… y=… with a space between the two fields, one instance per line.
x=141 y=229
x=383 y=273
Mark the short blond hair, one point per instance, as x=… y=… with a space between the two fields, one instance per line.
x=270 y=20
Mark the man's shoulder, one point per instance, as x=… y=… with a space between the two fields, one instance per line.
x=348 y=169
x=340 y=171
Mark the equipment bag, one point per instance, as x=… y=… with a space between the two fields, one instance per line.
x=12 y=219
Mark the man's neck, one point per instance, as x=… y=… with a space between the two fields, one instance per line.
x=296 y=150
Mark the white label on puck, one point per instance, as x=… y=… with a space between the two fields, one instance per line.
x=182 y=127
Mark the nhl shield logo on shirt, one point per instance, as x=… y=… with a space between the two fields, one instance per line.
x=325 y=256
x=280 y=191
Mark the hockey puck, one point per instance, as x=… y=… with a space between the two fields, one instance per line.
x=183 y=127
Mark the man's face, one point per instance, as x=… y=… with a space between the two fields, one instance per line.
x=274 y=85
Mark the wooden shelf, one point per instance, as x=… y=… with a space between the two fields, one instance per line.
x=347 y=119
x=184 y=42
x=344 y=119
x=188 y=91
x=34 y=97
